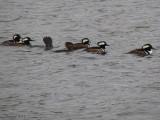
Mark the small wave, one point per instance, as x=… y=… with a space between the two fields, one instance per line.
x=155 y=85
x=11 y=20
x=143 y=27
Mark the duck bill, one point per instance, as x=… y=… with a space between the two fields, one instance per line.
x=153 y=48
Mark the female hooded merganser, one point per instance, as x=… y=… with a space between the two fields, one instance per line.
x=145 y=50
x=16 y=39
x=68 y=45
x=100 y=49
x=84 y=44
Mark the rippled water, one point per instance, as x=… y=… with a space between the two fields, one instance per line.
x=42 y=85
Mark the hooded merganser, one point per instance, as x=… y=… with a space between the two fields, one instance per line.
x=100 y=49
x=16 y=39
x=26 y=41
x=48 y=43
x=68 y=45
x=84 y=44
x=145 y=50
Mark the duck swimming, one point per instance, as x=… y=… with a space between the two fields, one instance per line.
x=18 y=41
x=100 y=49
x=70 y=46
x=14 y=42
x=85 y=43
x=145 y=50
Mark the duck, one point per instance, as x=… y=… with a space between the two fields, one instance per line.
x=100 y=49
x=48 y=43
x=145 y=50
x=69 y=47
x=16 y=39
x=85 y=43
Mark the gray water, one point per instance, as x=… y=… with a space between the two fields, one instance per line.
x=42 y=85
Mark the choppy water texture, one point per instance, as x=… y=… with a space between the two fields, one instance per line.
x=42 y=85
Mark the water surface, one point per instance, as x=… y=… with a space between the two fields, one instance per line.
x=42 y=85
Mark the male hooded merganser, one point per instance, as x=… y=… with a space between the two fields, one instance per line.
x=68 y=45
x=16 y=39
x=84 y=44
x=145 y=50
x=26 y=41
x=48 y=43
x=100 y=49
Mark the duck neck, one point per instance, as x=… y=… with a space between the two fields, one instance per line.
x=27 y=43
x=103 y=48
x=148 y=51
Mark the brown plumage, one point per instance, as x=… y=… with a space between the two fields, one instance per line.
x=85 y=43
x=145 y=50
x=138 y=51
x=100 y=49
x=16 y=39
x=94 y=49
x=17 y=42
x=69 y=47
x=79 y=46
x=8 y=42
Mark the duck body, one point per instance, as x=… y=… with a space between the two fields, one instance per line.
x=79 y=46
x=138 y=52
x=8 y=42
x=15 y=44
x=97 y=50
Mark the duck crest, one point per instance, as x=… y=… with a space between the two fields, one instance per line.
x=26 y=41
x=16 y=38
x=85 y=41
